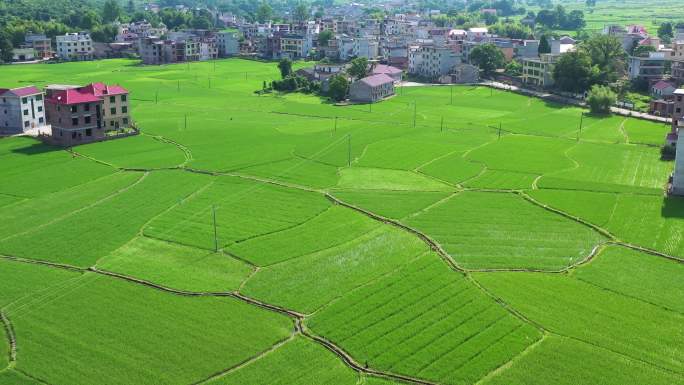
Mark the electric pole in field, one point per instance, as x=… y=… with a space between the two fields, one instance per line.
x=186 y=120
x=414 y=113
x=349 y=149
x=156 y=97
x=213 y=212
x=441 y=125
x=580 y=125
x=209 y=82
x=499 y=130
x=178 y=86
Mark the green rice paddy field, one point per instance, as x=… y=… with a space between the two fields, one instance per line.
x=280 y=239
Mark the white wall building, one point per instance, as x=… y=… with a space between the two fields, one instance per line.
x=21 y=109
x=228 y=44
x=75 y=46
x=431 y=61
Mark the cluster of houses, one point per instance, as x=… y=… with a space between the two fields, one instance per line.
x=65 y=115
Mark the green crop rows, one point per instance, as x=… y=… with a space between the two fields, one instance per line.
x=280 y=239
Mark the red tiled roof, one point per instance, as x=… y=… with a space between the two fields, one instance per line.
x=661 y=85
x=22 y=91
x=73 y=96
x=100 y=89
x=377 y=80
x=385 y=69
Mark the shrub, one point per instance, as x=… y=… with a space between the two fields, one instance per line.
x=600 y=99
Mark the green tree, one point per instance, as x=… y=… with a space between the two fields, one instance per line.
x=130 y=7
x=513 y=68
x=607 y=54
x=600 y=99
x=490 y=19
x=666 y=32
x=358 y=68
x=488 y=57
x=111 y=11
x=301 y=12
x=547 y=18
x=264 y=12
x=544 y=46
x=573 y=72
x=575 y=20
x=324 y=37
x=201 y=22
x=5 y=47
x=643 y=50
x=338 y=87
x=285 y=67
x=104 y=33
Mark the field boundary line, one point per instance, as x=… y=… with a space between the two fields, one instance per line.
x=11 y=339
x=515 y=358
x=296 y=316
x=107 y=197
x=249 y=360
x=34 y=378
x=506 y=306
x=621 y=294
x=417 y=169
x=431 y=243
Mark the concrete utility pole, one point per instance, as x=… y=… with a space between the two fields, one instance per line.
x=213 y=211
x=178 y=86
x=580 y=126
x=156 y=97
x=441 y=125
x=335 y=130
x=209 y=82
x=349 y=149
x=414 y=113
x=186 y=120
x=499 y=130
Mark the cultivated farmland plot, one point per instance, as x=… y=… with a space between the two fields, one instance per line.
x=280 y=239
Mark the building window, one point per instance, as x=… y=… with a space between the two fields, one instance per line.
x=123 y=98
x=89 y=132
x=39 y=97
x=86 y=107
x=74 y=121
x=112 y=110
x=87 y=119
x=124 y=109
x=112 y=99
x=24 y=100
x=40 y=108
x=25 y=112
x=26 y=123
x=125 y=121
x=40 y=120
x=74 y=109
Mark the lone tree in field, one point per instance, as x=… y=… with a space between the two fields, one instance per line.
x=358 y=68
x=488 y=57
x=600 y=99
x=285 y=67
x=574 y=72
x=338 y=88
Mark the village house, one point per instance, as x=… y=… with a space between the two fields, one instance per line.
x=677 y=59
x=40 y=43
x=662 y=89
x=539 y=71
x=75 y=46
x=393 y=72
x=677 y=123
x=371 y=89
x=431 y=62
x=74 y=114
x=115 y=114
x=228 y=44
x=651 y=67
x=21 y=109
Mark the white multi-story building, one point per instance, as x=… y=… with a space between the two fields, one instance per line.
x=431 y=62
x=75 y=46
x=21 y=109
x=365 y=47
x=228 y=44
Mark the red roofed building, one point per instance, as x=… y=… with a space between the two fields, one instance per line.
x=21 y=109
x=115 y=113
x=75 y=115
x=84 y=114
x=393 y=72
